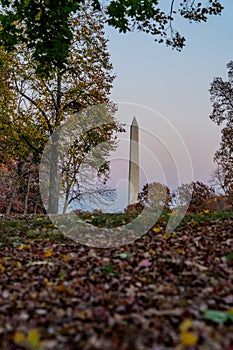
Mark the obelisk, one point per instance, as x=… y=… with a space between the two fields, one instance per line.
x=134 y=162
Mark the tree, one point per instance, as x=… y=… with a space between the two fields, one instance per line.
x=44 y=26
x=195 y=194
x=83 y=164
x=182 y=195
x=155 y=196
x=8 y=188
x=201 y=193
x=7 y=104
x=222 y=101
x=217 y=180
x=13 y=155
x=44 y=103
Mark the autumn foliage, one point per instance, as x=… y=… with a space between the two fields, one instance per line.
x=19 y=192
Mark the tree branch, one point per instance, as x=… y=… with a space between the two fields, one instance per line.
x=35 y=104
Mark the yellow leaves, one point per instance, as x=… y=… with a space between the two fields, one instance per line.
x=65 y=257
x=18 y=337
x=33 y=337
x=206 y=211
x=31 y=341
x=156 y=229
x=24 y=247
x=180 y=250
x=18 y=264
x=185 y=325
x=167 y=235
x=187 y=338
x=2 y=268
x=152 y=251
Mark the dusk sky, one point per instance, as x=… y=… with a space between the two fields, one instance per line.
x=175 y=86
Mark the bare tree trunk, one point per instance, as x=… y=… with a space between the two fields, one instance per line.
x=27 y=194
x=11 y=202
x=65 y=206
x=67 y=194
x=35 y=208
x=53 y=186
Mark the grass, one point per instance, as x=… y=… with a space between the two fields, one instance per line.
x=14 y=231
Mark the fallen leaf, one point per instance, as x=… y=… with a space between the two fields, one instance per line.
x=65 y=257
x=33 y=337
x=144 y=263
x=24 y=247
x=123 y=255
x=188 y=338
x=18 y=337
x=2 y=268
x=185 y=325
x=156 y=229
x=218 y=316
x=48 y=253
x=61 y=288
x=38 y=262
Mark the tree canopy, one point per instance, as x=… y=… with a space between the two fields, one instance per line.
x=32 y=107
x=45 y=26
x=156 y=196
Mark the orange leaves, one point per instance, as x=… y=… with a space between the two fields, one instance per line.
x=61 y=288
x=180 y=250
x=47 y=282
x=48 y=253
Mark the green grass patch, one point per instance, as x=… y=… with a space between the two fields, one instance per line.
x=13 y=232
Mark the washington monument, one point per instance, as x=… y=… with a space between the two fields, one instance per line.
x=134 y=162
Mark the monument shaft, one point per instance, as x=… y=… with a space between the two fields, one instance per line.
x=134 y=162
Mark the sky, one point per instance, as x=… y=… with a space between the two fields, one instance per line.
x=167 y=92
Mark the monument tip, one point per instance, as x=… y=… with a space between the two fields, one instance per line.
x=134 y=122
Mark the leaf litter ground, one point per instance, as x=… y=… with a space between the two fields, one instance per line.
x=164 y=291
